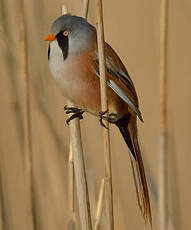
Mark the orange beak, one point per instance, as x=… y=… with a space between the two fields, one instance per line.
x=50 y=37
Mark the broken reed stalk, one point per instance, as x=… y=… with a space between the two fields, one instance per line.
x=104 y=107
x=99 y=206
x=163 y=186
x=79 y=168
x=26 y=113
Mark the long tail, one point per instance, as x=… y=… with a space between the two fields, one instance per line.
x=128 y=129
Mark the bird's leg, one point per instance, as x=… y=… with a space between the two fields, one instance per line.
x=111 y=118
x=76 y=113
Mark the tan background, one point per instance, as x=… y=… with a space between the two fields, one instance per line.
x=132 y=28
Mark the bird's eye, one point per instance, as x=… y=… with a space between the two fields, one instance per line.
x=66 y=33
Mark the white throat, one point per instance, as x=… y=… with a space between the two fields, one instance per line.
x=56 y=60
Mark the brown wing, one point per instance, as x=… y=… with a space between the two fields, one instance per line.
x=119 y=79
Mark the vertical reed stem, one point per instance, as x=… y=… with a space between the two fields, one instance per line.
x=80 y=176
x=104 y=106
x=99 y=206
x=71 y=180
x=85 y=8
x=163 y=186
x=79 y=168
x=26 y=108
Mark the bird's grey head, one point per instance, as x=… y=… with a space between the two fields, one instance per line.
x=73 y=34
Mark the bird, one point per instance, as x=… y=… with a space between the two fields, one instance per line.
x=74 y=64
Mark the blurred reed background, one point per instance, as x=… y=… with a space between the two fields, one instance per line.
x=132 y=28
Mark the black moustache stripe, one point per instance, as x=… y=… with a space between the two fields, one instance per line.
x=49 y=52
x=63 y=43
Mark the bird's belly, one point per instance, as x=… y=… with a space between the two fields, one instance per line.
x=81 y=87
x=64 y=75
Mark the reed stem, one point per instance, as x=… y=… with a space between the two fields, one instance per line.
x=104 y=107
x=26 y=114
x=85 y=8
x=163 y=185
x=99 y=206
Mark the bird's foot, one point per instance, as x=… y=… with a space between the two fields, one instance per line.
x=76 y=113
x=111 y=118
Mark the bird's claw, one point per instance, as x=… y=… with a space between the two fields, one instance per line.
x=106 y=118
x=76 y=113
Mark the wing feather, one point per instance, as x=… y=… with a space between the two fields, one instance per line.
x=118 y=79
x=124 y=97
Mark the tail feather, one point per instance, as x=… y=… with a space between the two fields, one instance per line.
x=129 y=133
